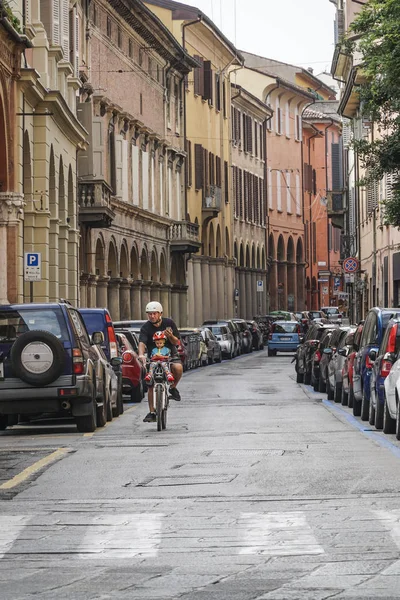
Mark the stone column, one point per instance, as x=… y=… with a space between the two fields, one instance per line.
x=282 y=285
x=273 y=286
x=3 y=253
x=125 y=300
x=155 y=292
x=249 y=295
x=190 y=295
x=175 y=307
x=11 y=278
x=242 y=294
x=196 y=296
x=301 y=283
x=229 y=285
x=84 y=279
x=183 y=307
x=165 y=298
x=145 y=294
x=91 y=292
x=136 y=300
x=102 y=292
x=205 y=289
x=215 y=301
x=254 y=295
x=220 y=272
x=113 y=299
x=63 y=263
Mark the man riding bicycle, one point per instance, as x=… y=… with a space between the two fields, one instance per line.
x=156 y=322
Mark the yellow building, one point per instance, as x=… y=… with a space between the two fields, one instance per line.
x=211 y=273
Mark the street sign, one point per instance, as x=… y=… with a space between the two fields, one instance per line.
x=336 y=282
x=323 y=280
x=260 y=286
x=350 y=265
x=237 y=294
x=33 y=266
x=349 y=277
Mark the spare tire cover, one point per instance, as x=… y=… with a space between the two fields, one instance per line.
x=37 y=357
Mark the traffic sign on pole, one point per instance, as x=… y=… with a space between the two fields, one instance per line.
x=33 y=266
x=260 y=286
x=350 y=265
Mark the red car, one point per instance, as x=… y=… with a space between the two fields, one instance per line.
x=132 y=369
x=348 y=369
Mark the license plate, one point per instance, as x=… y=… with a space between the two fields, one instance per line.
x=1 y=371
x=284 y=339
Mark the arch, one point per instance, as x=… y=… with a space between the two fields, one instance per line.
x=299 y=251
x=154 y=266
x=271 y=247
x=258 y=263
x=247 y=264
x=290 y=250
x=62 y=201
x=135 y=262
x=235 y=252
x=241 y=260
x=112 y=261
x=27 y=168
x=52 y=186
x=71 y=200
x=228 y=250
x=253 y=257
x=281 y=249
x=263 y=265
x=100 y=267
x=211 y=241
x=144 y=265
x=124 y=261
x=204 y=239
x=163 y=268
x=218 y=246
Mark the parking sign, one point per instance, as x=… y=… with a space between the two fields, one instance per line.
x=33 y=266
x=260 y=286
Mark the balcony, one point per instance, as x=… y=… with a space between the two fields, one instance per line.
x=336 y=208
x=94 y=200
x=184 y=237
x=212 y=201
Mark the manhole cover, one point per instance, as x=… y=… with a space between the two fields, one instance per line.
x=187 y=480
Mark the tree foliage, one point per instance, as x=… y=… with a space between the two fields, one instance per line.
x=376 y=31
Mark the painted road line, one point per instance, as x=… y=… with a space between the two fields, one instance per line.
x=10 y=528
x=29 y=471
x=373 y=435
x=122 y=536
x=278 y=534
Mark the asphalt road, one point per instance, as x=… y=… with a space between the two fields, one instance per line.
x=259 y=489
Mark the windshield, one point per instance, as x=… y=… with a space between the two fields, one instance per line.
x=14 y=323
x=286 y=328
x=331 y=311
x=218 y=330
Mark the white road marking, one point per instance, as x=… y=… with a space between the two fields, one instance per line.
x=122 y=536
x=10 y=528
x=391 y=521
x=278 y=534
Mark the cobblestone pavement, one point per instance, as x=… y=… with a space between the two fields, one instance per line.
x=259 y=489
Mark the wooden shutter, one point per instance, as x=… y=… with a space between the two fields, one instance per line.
x=208 y=81
x=199 y=166
x=65 y=28
x=224 y=97
x=337 y=168
x=98 y=147
x=74 y=40
x=250 y=134
x=256 y=138
x=218 y=171
x=314 y=182
x=206 y=170
x=50 y=17
x=226 y=178
x=188 y=163
x=217 y=91
x=84 y=113
x=211 y=163
x=199 y=77
x=240 y=179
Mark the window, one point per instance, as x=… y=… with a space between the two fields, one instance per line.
x=109 y=29
x=141 y=104
x=189 y=163
x=278 y=116
x=199 y=77
x=119 y=37
x=140 y=57
x=217 y=91
x=208 y=82
x=278 y=192
x=288 y=194
x=95 y=15
x=287 y=120
x=130 y=48
x=199 y=166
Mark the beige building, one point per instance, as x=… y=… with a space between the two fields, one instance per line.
x=211 y=273
x=249 y=118
x=135 y=228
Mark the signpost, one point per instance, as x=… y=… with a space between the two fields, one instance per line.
x=32 y=269
x=260 y=286
x=350 y=265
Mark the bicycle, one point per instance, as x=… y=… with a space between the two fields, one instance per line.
x=160 y=396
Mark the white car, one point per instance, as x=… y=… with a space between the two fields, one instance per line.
x=391 y=414
x=333 y=314
x=225 y=339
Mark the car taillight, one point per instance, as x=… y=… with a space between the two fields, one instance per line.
x=391 y=345
x=111 y=337
x=317 y=356
x=127 y=357
x=368 y=363
x=77 y=361
x=298 y=329
x=270 y=336
x=385 y=368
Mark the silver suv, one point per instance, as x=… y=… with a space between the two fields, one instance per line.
x=333 y=314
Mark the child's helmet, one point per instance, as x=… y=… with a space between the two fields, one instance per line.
x=159 y=335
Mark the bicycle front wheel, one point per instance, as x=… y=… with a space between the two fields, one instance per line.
x=159 y=406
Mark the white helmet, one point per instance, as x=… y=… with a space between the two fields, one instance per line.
x=154 y=307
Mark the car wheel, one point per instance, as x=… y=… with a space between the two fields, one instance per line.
x=315 y=383
x=321 y=384
x=88 y=423
x=137 y=393
x=364 y=411
x=356 y=407
x=344 y=397
x=271 y=352
x=299 y=377
x=371 y=413
x=329 y=390
x=3 y=422
x=398 y=422
x=210 y=360
x=389 y=424
x=378 y=415
x=109 y=408
x=219 y=359
x=350 y=402
x=102 y=410
x=307 y=378
x=37 y=357
x=337 y=395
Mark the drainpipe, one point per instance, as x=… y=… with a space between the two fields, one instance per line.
x=374 y=299
x=310 y=236
x=326 y=188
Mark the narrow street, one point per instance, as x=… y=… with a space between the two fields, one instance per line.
x=258 y=489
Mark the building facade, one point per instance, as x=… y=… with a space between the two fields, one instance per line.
x=249 y=117
x=135 y=228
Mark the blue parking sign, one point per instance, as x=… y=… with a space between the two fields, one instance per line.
x=32 y=266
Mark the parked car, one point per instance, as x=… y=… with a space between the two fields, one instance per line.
x=372 y=335
x=391 y=406
x=246 y=337
x=382 y=365
x=333 y=314
x=194 y=347
x=283 y=315
x=265 y=322
x=225 y=339
x=341 y=345
x=319 y=361
x=133 y=372
x=99 y=319
x=234 y=330
x=305 y=352
x=214 y=352
x=107 y=391
x=257 y=335
x=48 y=364
x=298 y=315
x=284 y=337
x=348 y=368
x=133 y=325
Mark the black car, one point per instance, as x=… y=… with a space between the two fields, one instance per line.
x=319 y=362
x=257 y=334
x=327 y=350
x=214 y=352
x=246 y=336
x=305 y=352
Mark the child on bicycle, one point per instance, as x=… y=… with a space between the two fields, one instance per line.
x=160 y=354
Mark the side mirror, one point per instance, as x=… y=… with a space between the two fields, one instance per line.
x=342 y=352
x=116 y=361
x=97 y=338
x=328 y=351
x=372 y=355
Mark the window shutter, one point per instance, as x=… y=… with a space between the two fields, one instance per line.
x=224 y=97
x=250 y=133
x=278 y=191
x=188 y=163
x=74 y=40
x=298 y=205
x=218 y=171
x=256 y=138
x=208 y=81
x=65 y=28
x=84 y=113
x=288 y=193
x=270 y=200
x=98 y=147
x=28 y=15
x=287 y=118
x=226 y=178
x=135 y=175
x=337 y=169
x=239 y=125
x=217 y=91
x=314 y=182
x=50 y=17
x=206 y=170
x=241 y=193
x=199 y=166
x=199 y=77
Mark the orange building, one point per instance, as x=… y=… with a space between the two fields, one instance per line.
x=323 y=177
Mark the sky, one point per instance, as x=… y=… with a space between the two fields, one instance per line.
x=299 y=32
